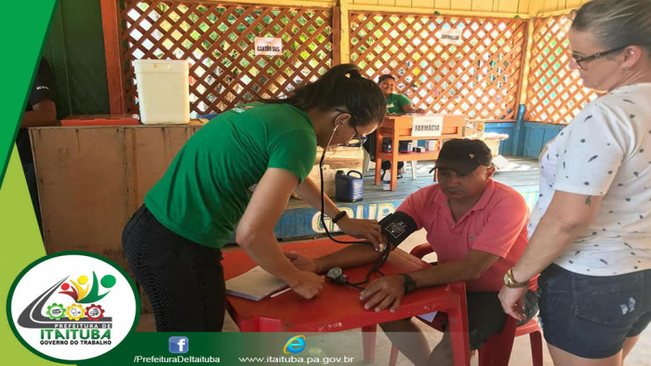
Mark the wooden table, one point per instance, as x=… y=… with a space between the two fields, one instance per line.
x=291 y=313
x=399 y=128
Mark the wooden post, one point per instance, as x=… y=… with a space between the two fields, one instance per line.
x=111 y=27
x=524 y=65
x=336 y=34
x=522 y=88
x=344 y=35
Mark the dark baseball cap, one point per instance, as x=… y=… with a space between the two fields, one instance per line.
x=463 y=156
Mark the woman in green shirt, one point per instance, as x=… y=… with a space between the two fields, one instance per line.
x=173 y=241
x=396 y=104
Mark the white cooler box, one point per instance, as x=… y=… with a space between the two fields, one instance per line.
x=163 y=91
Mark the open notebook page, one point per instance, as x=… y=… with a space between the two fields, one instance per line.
x=254 y=284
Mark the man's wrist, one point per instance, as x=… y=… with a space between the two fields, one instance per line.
x=409 y=283
x=318 y=266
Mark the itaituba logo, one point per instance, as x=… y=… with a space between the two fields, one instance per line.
x=72 y=301
x=82 y=293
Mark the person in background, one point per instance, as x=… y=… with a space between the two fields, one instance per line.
x=476 y=226
x=172 y=243
x=40 y=111
x=396 y=104
x=591 y=227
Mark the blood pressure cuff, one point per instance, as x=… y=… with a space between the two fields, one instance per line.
x=397 y=227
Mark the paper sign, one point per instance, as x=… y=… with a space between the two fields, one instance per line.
x=268 y=46
x=427 y=125
x=450 y=36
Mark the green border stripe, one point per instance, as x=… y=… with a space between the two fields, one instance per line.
x=22 y=35
x=22 y=32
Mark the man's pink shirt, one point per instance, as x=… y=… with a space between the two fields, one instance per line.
x=496 y=224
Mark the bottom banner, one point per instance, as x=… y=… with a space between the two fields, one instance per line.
x=235 y=349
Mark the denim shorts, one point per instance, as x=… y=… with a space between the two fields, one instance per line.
x=591 y=316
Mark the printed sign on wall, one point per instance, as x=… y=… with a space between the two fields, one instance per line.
x=450 y=36
x=427 y=125
x=268 y=46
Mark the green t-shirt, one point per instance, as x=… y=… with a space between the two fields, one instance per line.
x=395 y=102
x=205 y=191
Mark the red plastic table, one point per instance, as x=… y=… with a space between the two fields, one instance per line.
x=291 y=313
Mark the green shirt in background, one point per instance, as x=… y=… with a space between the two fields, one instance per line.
x=395 y=102
x=205 y=191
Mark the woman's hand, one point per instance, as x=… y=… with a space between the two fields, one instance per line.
x=512 y=300
x=363 y=229
x=307 y=284
x=409 y=108
x=383 y=293
x=301 y=262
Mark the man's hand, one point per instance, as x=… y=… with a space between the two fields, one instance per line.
x=363 y=229
x=301 y=262
x=513 y=301
x=384 y=292
x=307 y=284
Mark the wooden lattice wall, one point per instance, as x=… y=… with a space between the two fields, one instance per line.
x=479 y=78
x=555 y=94
x=218 y=41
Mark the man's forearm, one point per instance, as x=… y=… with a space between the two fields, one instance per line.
x=352 y=256
x=444 y=273
x=44 y=114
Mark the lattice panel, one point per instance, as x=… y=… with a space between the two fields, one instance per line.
x=478 y=78
x=218 y=40
x=555 y=94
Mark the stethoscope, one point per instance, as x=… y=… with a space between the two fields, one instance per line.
x=336 y=274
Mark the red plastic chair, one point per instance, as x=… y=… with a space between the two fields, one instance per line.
x=496 y=351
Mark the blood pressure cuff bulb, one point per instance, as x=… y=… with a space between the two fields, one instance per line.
x=397 y=227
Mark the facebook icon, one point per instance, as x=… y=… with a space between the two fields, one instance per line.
x=179 y=344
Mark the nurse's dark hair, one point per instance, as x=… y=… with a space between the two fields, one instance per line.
x=616 y=23
x=341 y=88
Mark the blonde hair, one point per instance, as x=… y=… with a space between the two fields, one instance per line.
x=616 y=23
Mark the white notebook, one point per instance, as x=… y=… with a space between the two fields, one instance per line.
x=254 y=285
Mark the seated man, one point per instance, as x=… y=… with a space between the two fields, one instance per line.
x=476 y=226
